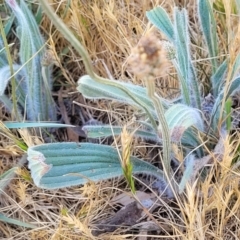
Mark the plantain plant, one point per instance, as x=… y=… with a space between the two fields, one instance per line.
x=31 y=81
x=186 y=120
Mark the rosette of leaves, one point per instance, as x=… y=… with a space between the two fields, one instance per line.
x=180 y=120
x=32 y=76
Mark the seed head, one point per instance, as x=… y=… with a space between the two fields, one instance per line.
x=148 y=57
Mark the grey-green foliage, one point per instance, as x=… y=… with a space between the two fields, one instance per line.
x=68 y=164
x=178 y=35
x=6 y=219
x=103 y=91
x=180 y=117
x=92 y=89
x=33 y=79
x=184 y=115
x=218 y=78
x=209 y=29
x=181 y=39
x=46 y=166
x=159 y=17
x=11 y=125
x=98 y=131
x=219 y=70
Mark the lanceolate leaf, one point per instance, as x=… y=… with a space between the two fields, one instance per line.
x=180 y=114
x=178 y=35
x=34 y=124
x=159 y=17
x=96 y=131
x=31 y=53
x=180 y=117
x=96 y=90
x=29 y=45
x=185 y=68
x=182 y=52
x=217 y=79
x=5 y=219
x=182 y=40
x=208 y=25
x=187 y=175
x=58 y=165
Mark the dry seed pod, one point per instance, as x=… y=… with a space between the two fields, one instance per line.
x=149 y=57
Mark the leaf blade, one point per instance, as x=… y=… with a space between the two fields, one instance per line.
x=78 y=164
x=160 y=19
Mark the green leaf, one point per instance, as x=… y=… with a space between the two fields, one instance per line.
x=187 y=174
x=58 y=165
x=190 y=139
x=182 y=40
x=218 y=78
x=3 y=218
x=98 y=131
x=183 y=63
x=39 y=106
x=31 y=42
x=195 y=94
x=160 y=19
x=209 y=29
x=34 y=124
x=180 y=117
x=95 y=90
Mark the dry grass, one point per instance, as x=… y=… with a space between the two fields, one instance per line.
x=109 y=30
